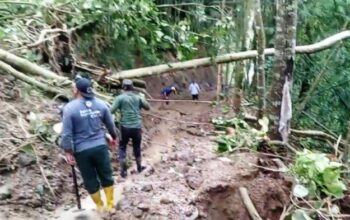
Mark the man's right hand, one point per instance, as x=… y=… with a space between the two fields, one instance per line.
x=70 y=159
x=112 y=143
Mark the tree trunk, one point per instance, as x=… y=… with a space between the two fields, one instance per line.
x=346 y=156
x=32 y=68
x=43 y=86
x=225 y=58
x=220 y=69
x=260 y=42
x=219 y=82
x=245 y=35
x=26 y=66
x=280 y=111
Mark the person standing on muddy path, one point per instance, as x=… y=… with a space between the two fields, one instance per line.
x=84 y=141
x=130 y=104
x=194 y=90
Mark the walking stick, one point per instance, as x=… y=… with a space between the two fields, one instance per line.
x=76 y=187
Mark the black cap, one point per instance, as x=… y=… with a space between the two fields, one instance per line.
x=84 y=86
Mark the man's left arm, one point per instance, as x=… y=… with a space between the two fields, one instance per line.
x=109 y=123
x=67 y=133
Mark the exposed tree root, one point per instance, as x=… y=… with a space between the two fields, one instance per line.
x=249 y=204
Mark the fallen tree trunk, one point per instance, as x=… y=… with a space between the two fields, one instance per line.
x=27 y=66
x=148 y=71
x=100 y=74
x=44 y=86
x=21 y=76
x=318 y=135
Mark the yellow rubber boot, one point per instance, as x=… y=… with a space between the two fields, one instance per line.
x=96 y=197
x=109 y=197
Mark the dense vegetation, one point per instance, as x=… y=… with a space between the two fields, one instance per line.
x=126 y=34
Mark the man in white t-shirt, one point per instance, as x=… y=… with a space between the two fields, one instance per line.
x=194 y=90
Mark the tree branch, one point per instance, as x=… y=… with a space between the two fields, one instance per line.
x=29 y=67
x=260 y=42
x=249 y=204
x=18 y=3
x=317 y=134
x=48 y=88
x=182 y=4
x=251 y=54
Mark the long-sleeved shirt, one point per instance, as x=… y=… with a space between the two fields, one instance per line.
x=83 y=121
x=194 y=89
x=166 y=91
x=129 y=104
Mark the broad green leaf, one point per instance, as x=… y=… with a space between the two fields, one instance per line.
x=264 y=123
x=87 y=4
x=321 y=162
x=143 y=40
x=300 y=191
x=28 y=149
x=159 y=34
x=335 y=164
x=336 y=188
x=329 y=175
x=300 y=214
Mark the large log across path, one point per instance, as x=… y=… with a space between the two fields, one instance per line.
x=27 y=67
x=231 y=57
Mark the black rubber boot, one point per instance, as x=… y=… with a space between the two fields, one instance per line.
x=123 y=169
x=140 y=168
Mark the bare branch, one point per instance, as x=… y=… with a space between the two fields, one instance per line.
x=18 y=3
x=249 y=204
x=7 y=68
x=27 y=66
x=182 y=4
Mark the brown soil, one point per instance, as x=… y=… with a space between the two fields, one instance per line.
x=184 y=179
x=191 y=181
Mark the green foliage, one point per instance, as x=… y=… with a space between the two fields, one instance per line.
x=118 y=33
x=318 y=174
x=43 y=128
x=300 y=214
x=329 y=103
x=243 y=135
x=28 y=149
x=221 y=123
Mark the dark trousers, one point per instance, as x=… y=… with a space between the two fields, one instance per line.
x=95 y=168
x=135 y=135
x=165 y=97
x=195 y=97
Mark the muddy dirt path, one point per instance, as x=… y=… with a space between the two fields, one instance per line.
x=186 y=179
x=159 y=139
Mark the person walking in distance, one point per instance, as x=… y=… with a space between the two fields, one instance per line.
x=84 y=141
x=130 y=104
x=194 y=90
